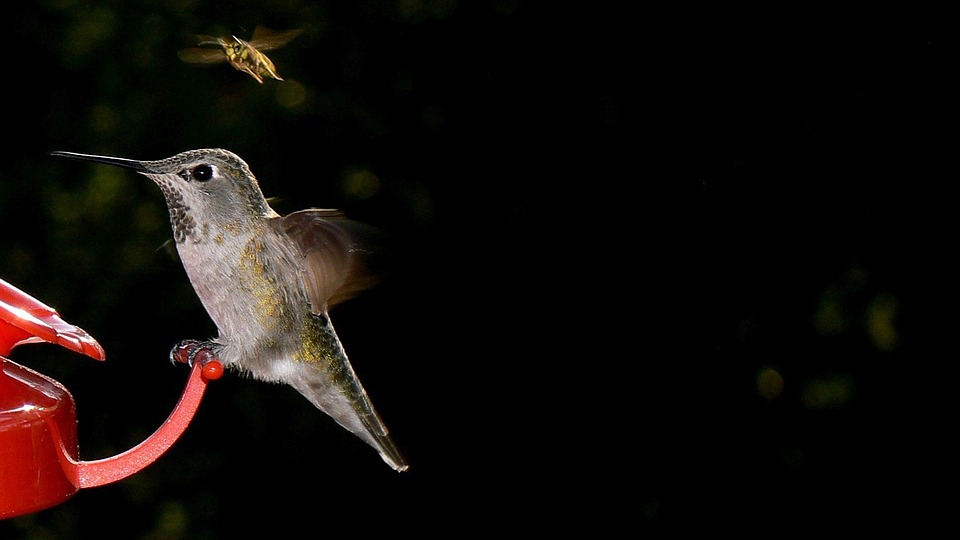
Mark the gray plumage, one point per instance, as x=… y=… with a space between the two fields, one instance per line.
x=267 y=281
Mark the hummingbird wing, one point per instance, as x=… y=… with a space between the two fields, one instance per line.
x=334 y=269
x=331 y=272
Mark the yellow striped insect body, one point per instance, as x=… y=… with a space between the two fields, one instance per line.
x=245 y=56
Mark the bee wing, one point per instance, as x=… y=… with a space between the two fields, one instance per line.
x=200 y=55
x=265 y=39
x=203 y=39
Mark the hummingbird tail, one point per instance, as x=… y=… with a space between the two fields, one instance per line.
x=389 y=451
x=347 y=402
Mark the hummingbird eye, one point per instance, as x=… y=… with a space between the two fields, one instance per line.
x=202 y=173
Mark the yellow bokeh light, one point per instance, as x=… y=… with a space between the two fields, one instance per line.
x=291 y=93
x=880 y=317
x=830 y=392
x=361 y=183
x=769 y=383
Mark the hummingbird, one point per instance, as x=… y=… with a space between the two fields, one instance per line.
x=267 y=281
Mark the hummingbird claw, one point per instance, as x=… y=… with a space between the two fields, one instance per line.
x=191 y=351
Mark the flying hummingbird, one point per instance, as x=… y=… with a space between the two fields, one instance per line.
x=267 y=281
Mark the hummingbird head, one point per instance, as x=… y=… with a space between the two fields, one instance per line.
x=206 y=186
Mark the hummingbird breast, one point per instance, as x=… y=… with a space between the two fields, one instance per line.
x=249 y=285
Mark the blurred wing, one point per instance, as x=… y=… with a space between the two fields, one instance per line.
x=170 y=248
x=265 y=39
x=203 y=39
x=333 y=266
x=200 y=55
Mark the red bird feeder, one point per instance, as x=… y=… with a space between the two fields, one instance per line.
x=39 y=456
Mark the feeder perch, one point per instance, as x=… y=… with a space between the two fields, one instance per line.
x=40 y=462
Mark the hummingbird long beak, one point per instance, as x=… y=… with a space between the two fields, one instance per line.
x=108 y=160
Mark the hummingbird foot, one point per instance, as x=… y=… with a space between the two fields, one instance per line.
x=191 y=351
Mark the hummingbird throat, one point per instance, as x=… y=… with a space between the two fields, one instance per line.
x=181 y=221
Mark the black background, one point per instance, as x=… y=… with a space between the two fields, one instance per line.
x=607 y=230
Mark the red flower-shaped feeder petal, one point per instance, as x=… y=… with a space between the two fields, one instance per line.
x=39 y=456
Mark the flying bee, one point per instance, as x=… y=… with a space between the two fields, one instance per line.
x=246 y=56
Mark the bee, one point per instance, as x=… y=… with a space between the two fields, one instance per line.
x=246 y=56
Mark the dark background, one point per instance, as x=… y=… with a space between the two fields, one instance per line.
x=645 y=270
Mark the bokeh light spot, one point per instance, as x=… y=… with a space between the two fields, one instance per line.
x=291 y=94
x=827 y=393
x=149 y=217
x=103 y=119
x=769 y=383
x=432 y=118
x=103 y=190
x=361 y=184
x=91 y=32
x=173 y=521
x=829 y=318
x=880 y=316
